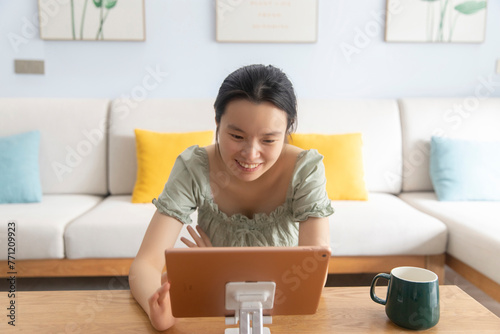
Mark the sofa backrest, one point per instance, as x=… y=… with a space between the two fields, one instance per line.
x=72 y=142
x=379 y=123
x=160 y=115
x=470 y=118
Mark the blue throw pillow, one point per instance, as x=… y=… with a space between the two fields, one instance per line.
x=465 y=170
x=19 y=171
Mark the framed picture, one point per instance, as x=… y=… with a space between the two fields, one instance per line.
x=441 y=21
x=287 y=21
x=96 y=20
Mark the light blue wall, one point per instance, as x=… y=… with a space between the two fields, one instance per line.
x=181 y=42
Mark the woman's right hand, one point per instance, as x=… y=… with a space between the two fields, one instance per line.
x=159 y=307
x=201 y=240
x=149 y=288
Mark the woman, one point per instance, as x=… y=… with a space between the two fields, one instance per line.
x=251 y=188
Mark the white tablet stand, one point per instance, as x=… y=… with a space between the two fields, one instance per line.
x=248 y=299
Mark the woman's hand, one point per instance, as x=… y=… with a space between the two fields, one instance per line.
x=201 y=240
x=159 y=307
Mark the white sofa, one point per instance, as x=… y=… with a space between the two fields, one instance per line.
x=473 y=226
x=86 y=224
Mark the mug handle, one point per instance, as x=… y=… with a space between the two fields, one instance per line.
x=374 y=297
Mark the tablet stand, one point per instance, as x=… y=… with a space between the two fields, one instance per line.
x=248 y=299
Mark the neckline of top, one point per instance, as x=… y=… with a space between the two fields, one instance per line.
x=257 y=217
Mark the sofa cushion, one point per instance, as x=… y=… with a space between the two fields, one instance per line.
x=468 y=118
x=473 y=229
x=40 y=226
x=384 y=225
x=114 y=228
x=343 y=160
x=73 y=141
x=378 y=122
x=156 y=155
x=463 y=170
x=160 y=115
x=19 y=171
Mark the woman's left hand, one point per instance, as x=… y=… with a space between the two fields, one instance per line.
x=201 y=240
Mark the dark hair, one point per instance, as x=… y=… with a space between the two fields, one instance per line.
x=259 y=83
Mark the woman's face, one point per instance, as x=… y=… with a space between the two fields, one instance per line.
x=251 y=137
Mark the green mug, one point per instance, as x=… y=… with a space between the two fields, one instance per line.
x=412 y=297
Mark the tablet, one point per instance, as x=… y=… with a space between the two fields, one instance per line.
x=198 y=277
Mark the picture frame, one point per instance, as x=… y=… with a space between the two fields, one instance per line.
x=267 y=21
x=92 y=20
x=436 y=21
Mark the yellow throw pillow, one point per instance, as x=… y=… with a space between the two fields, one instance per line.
x=343 y=160
x=156 y=154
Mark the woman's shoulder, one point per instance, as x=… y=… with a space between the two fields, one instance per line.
x=293 y=150
x=306 y=164
x=190 y=168
x=191 y=152
x=301 y=156
x=210 y=149
x=193 y=156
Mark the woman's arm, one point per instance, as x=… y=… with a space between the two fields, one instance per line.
x=314 y=232
x=145 y=276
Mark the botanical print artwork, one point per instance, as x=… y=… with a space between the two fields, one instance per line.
x=441 y=21
x=92 y=19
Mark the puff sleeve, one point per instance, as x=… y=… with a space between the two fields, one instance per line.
x=310 y=198
x=179 y=198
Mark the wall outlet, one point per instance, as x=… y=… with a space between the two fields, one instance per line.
x=498 y=66
x=29 y=66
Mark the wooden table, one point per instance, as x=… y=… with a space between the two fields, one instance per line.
x=342 y=310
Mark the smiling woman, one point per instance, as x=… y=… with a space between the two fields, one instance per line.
x=251 y=188
x=251 y=139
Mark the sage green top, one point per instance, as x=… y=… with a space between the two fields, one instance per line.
x=188 y=188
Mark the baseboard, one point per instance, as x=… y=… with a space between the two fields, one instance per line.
x=120 y=266
x=377 y=264
x=69 y=267
x=484 y=283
